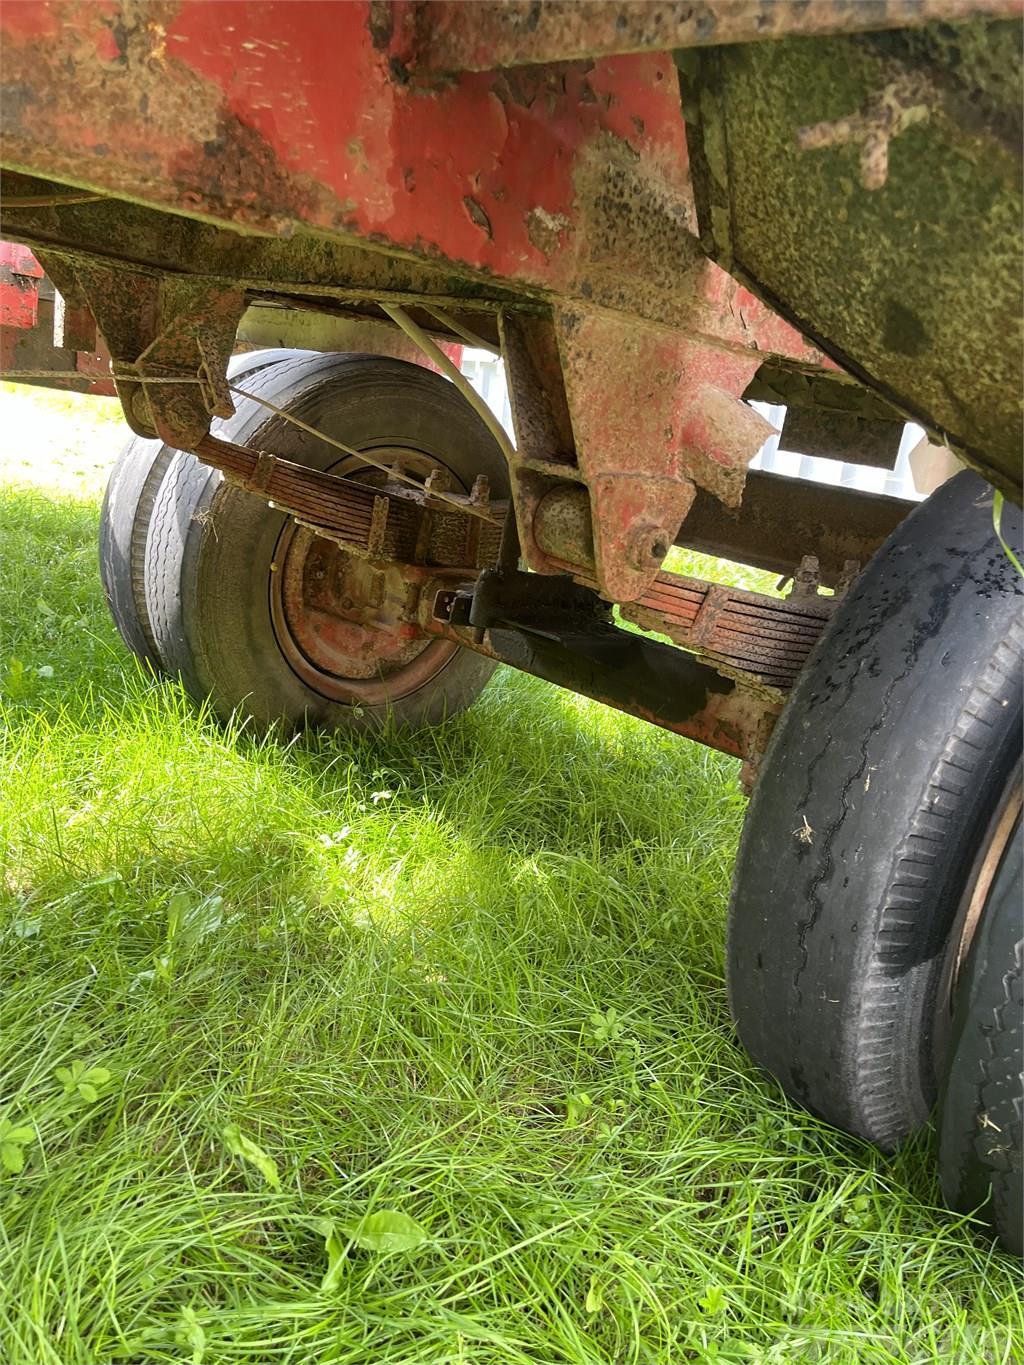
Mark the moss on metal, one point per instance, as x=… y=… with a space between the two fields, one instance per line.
x=915 y=283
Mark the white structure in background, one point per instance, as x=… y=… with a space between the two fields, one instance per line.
x=898 y=482
x=487 y=375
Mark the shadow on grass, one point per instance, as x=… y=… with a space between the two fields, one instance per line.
x=382 y=956
x=600 y=846
x=541 y=750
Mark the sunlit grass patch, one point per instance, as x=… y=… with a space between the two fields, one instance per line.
x=258 y=999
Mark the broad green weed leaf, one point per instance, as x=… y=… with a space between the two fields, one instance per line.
x=177 y=909
x=713 y=1300
x=334 y=1245
x=12 y=1157
x=14 y=1138
x=388 y=1230
x=21 y=1134
x=595 y=1296
x=192 y=1334
x=82 y=1081
x=14 y=683
x=241 y=1146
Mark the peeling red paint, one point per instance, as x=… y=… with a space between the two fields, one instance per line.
x=19 y=260
x=654 y=415
x=19 y=300
x=274 y=117
x=509 y=144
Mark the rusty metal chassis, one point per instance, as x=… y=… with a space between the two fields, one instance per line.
x=167 y=325
x=641 y=412
x=682 y=440
x=445 y=568
x=566 y=235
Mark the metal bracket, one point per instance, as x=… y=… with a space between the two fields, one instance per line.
x=170 y=338
x=655 y=413
x=525 y=601
x=641 y=416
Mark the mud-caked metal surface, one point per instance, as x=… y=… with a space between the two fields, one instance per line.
x=452 y=35
x=161 y=328
x=642 y=416
x=783 y=519
x=870 y=188
x=655 y=414
x=567 y=180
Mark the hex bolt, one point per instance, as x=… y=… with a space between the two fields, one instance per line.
x=807 y=578
x=436 y=481
x=648 y=545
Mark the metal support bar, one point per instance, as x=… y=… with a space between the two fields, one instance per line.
x=783 y=519
x=778 y=522
x=642 y=677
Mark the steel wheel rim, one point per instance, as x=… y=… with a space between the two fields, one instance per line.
x=985 y=867
x=329 y=650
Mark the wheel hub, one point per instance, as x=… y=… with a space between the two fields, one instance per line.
x=348 y=626
x=348 y=617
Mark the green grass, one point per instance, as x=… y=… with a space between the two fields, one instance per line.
x=382 y=961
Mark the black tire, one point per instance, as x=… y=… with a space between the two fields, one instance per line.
x=124 y=521
x=124 y=524
x=211 y=545
x=877 y=789
x=983 y=1095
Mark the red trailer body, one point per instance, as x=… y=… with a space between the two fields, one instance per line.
x=521 y=175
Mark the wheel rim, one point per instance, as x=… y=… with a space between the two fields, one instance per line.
x=986 y=866
x=346 y=627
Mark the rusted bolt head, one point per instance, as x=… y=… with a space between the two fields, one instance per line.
x=648 y=545
x=182 y=411
x=141 y=412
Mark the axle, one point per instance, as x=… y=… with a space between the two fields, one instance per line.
x=433 y=554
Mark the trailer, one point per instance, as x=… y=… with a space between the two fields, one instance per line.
x=271 y=227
